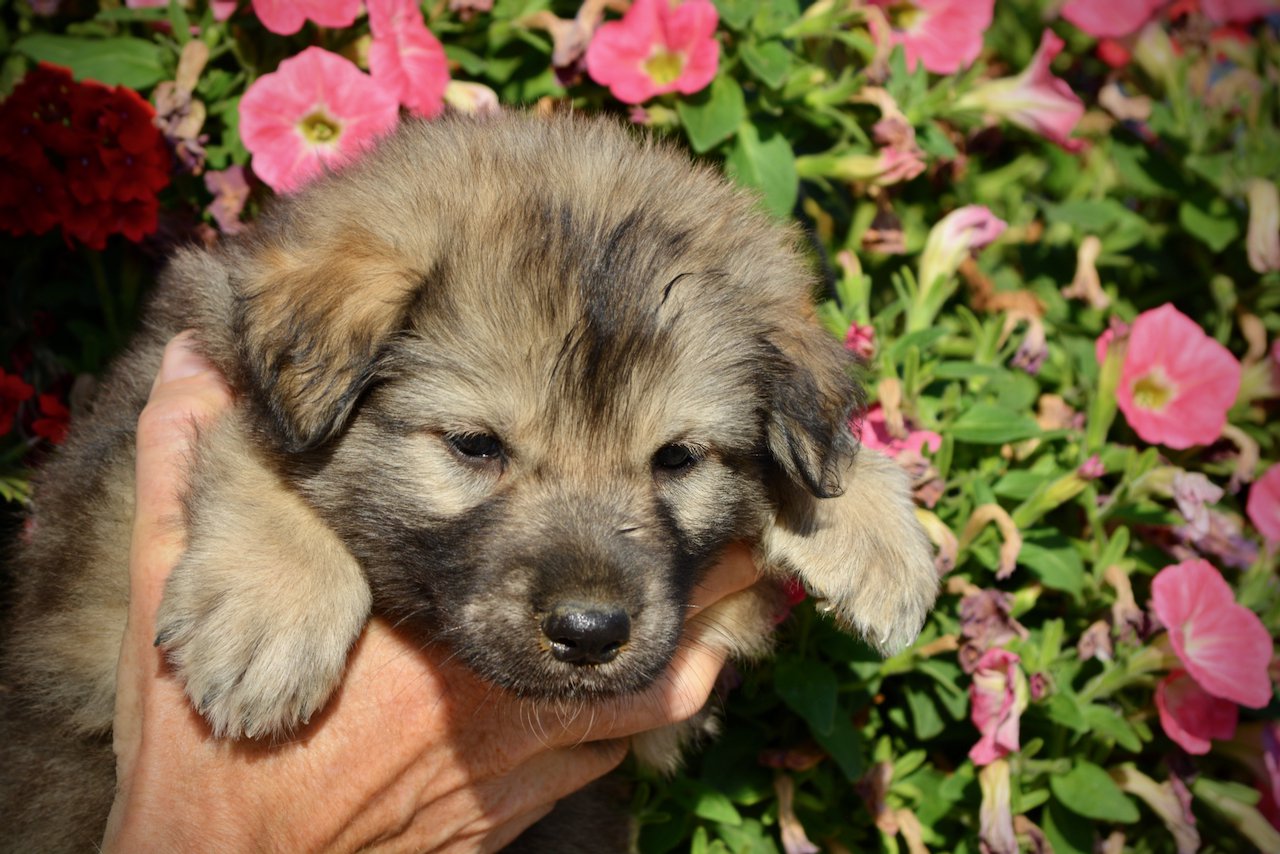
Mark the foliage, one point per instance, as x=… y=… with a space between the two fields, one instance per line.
x=1051 y=514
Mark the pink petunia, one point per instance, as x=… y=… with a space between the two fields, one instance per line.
x=1034 y=99
x=1191 y=716
x=657 y=47
x=953 y=238
x=877 y=436
x=1238 y=11
x=1110 y=19
x=286 y=17
x=861 y=341
x=1176 y=383
x=998 y=697
x=316 y=111
x=1263 y=506
x=944 y=35
x=405 y=57
x=1222 y=644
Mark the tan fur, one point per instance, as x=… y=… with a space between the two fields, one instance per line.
x=589 y=302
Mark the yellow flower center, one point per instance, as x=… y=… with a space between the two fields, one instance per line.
x=903 y=16
x=1153 y=390
x=319 y=127
x=664 y=67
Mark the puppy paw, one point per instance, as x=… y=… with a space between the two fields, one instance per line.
x=863 y=553
x=256 y=662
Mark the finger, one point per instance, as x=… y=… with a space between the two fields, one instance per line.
x=187 y=392
x=735 y=570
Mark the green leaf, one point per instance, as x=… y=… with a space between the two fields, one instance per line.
x=1065 y=709
x=123 y=61
x=809 y=688
x=767 y=164
x=774 y=16
x=714 y=806
x=1089 y=791
x=984 y=424
x=1059 y=568
x=844 y=745
x=712 y=115
x=1107 y=722
x=1216 y=229
x=769 y=61
x=737 y=13
x=1067 y=833
x=924 y=713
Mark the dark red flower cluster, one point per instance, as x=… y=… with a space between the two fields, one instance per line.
x=14 y=391
x=83 y=156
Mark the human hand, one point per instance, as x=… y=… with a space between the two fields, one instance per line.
x=413 y=753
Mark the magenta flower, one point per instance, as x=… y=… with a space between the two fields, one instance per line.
x=1222 y=644
x=316 y=111
x=657 y=47
x=1110 y=19
x=1191 y=716
x=998 y=697
x=861 y=341
x=1034 y=99
x=1176 y=383
x=877 y=436
x=405 y=58
x=945 y=35
x=1263 y=506
x=286 y=17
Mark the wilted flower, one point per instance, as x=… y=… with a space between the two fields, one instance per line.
x=474 y=99
x=1225 y=540
x=998 y=697
x=1167 y=801
x=1034 y=348
x=1177 y=383
x=944 y=35
x=1086 y=284
x=986 y=621
x=317 y=110
x=405 y=57
x=656 y=48
x=794 y=840
x=1191 y=716
x=952 y=239
x=179 y=115
x=286 y=17
x=1192 y=491
x=995 y=815
x=1110 y=18
x=1263 y=237
x=1034 y=99
x=1263 y=506
x=569 y=38
x=1095 y=642
x=230 y=192
x=1222 y=644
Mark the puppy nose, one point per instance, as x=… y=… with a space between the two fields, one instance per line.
x=581 y=634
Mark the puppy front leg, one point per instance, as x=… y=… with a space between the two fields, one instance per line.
x=862 y=551
x=260 y=614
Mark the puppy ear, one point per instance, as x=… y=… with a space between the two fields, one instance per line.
x=812 y=399
x=863 y=551
x=309 y=325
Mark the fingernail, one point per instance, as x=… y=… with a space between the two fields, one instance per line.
x=181 y=360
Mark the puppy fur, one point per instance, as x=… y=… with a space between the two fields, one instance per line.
x=495 y=369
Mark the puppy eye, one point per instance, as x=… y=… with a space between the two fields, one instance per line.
x=674 y=457
x=478 y=446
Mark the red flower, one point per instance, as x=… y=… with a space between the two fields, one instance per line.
x=82 y=155
x=13 y=393
x=56 y=418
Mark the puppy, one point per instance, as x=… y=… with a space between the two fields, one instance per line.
x=513 y=384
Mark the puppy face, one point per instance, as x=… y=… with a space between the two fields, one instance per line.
x=535 y=410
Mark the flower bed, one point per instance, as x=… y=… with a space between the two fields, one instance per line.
x=1051 y=231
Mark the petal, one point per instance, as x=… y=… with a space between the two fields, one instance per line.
x=1109 y=18
x=1263 y=507
x=1190 y=716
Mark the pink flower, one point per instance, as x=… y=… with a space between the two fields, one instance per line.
x=946 y=35
x=861 y=341
x=474 y=99
x=286 y=17
x=316 y=111
x=1222 y=644
x=1237 y=11
x=952 y=239
x=1110 y=19
x=877 y=436
x=1035 y=99
x=995 y=816
x=1263 y=506
x=1176 y=383
x=405 y=57
x=657 y=47
x=997 y=697
x=1191 y=716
